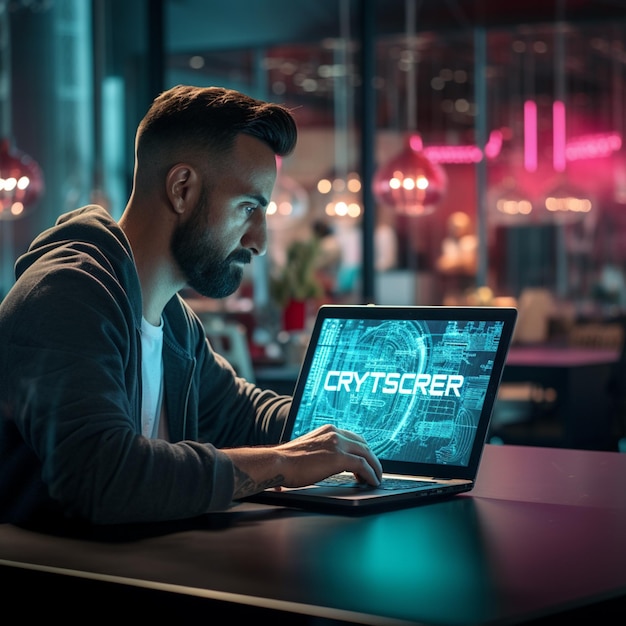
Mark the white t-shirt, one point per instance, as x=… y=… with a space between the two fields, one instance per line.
x=152 y=419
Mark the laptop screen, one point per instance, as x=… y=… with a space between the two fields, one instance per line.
x=418 y=383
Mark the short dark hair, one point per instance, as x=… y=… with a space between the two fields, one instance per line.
x=212 y=117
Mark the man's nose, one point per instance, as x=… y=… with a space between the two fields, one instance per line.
x=255 y=238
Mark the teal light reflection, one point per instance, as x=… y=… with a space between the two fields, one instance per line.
x=438 y=572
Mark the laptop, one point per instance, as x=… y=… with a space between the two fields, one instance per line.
x=417 y=382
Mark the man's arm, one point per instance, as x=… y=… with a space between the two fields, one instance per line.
x=303 y=461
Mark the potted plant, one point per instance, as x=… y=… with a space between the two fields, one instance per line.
x=294 y=284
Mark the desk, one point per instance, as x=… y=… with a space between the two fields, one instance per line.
x=541 y=535
x=580 y=377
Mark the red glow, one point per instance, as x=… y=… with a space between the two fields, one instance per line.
x=454 y=154
x=467 y=153
x=416 y=143
x=21 y=181
x=593 y=146
x=410 y=183
x=530 y=136
x=585 y=147
x=494 y=145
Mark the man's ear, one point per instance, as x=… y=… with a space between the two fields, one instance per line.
x=182 y=187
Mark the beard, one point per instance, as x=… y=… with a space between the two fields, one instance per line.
x=199 y=256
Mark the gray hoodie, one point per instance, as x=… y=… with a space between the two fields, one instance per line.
x=70 y=391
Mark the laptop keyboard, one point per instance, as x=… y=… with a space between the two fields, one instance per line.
x=388 y=483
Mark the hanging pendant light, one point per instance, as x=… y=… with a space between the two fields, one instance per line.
x=563 y=202
x=566 y=203
x=509 y=204
x=21 y=181
x=410 y=183
x=286 y=212
x=289 y=202
x=341 y=195
x=510 y=201
x=340 y=189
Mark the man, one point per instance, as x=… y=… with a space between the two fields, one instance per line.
x=113 y=407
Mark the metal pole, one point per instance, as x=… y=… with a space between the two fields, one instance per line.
x=368 y=135
x=480 y=87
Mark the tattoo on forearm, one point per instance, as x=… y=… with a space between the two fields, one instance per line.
x=245 y=486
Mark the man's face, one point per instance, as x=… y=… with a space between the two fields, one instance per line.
x=227 y=227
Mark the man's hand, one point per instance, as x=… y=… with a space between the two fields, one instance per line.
x=312 y=457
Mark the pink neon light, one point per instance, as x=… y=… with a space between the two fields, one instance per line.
x=415 y=141
x=453 y=154
x=558 y=136
x=494 y=145
x=584 y=147
x=467 y=153
x=530 y=136
x=593 y=146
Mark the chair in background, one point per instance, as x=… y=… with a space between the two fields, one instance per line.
x=521 y=409
x=524 y=415
x=229 y=338
x=527 y=413
x=597 y=334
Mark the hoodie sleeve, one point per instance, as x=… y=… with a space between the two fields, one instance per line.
x=69 y=370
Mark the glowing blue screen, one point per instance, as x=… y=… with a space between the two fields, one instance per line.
x=414 y=389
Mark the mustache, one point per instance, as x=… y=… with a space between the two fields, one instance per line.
x=240 y=256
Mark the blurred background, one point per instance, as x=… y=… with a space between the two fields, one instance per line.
x=449 y=151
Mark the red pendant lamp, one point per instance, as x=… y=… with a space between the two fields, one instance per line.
x=21 y=181
x=410 y=183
